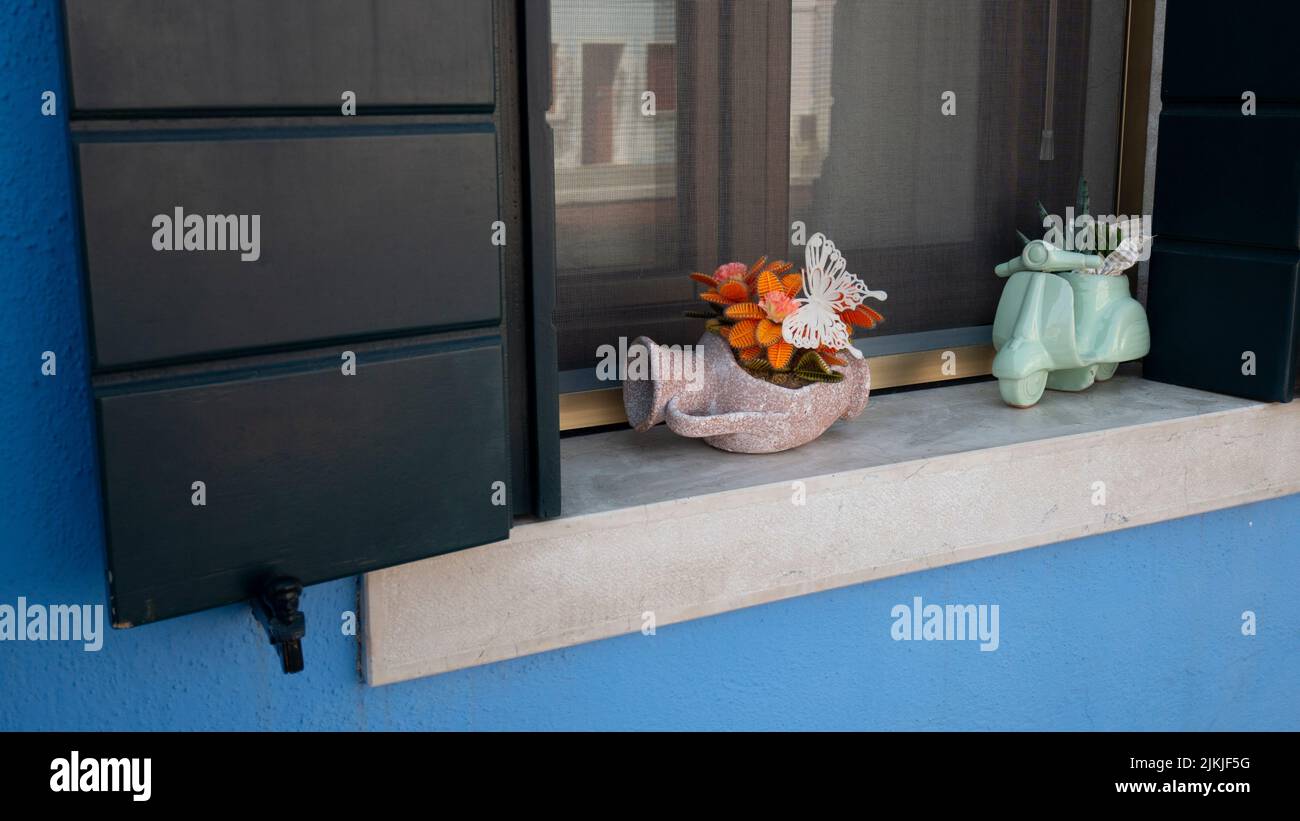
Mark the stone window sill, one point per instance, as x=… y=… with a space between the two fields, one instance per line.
x=663 y=525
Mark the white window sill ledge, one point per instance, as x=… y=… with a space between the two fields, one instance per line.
x=922 y=479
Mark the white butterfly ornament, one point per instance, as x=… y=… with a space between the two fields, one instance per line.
x=828 y=288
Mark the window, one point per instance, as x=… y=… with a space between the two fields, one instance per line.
x=829 y=113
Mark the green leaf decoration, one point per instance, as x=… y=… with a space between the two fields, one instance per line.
x=818 y=376
x=756 y=365
x=812 y=362
x=713 y=326
x=1024 y=240
x=1042 y=212
x=1081 y=206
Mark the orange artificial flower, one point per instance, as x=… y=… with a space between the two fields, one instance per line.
x=755 y=301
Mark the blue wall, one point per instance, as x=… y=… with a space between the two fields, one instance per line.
x=1138 y=629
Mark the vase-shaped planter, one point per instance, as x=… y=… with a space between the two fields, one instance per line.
x=715 y=399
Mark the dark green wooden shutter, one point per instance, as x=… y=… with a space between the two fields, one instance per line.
x=376 y=239
x=1224 y=283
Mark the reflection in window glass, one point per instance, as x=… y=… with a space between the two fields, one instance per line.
x=924 y=204
x=615 y=172
x=822 y=111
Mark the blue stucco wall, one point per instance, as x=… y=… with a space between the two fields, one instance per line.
x=1137 y=629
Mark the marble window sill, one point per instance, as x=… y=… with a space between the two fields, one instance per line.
x=655 y=523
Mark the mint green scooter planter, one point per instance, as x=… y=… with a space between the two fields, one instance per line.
x=1060 y=328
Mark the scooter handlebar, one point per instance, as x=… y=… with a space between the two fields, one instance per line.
x=1040 y=255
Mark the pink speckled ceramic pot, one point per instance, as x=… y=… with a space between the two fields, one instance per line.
x=721 y=403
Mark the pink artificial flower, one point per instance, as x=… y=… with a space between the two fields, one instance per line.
x=731 y=271
x=778 y=305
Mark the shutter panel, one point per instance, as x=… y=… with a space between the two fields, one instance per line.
x=305 y=472
x=347 y=225
x=1224 y=285
x=179 y=55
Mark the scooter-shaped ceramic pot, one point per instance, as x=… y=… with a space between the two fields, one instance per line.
x=1059 y=327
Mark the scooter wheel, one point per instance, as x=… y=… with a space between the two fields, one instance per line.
x=1106 y=370
x=1024 y=392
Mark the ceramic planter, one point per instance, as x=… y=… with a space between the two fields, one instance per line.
x=729 y=408
x=1061 y=328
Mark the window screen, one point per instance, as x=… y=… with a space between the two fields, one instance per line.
x=829 y=112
